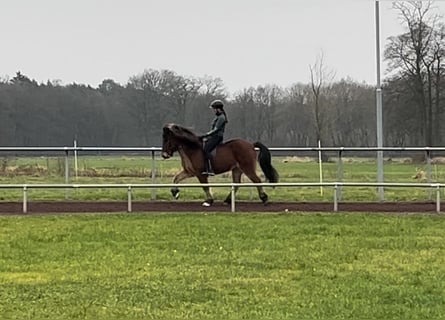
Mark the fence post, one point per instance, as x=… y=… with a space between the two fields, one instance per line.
x=129 y=199
x=232 y=196
x=428 y=172
x=153 y=175
x=335 y=198
x=340 y=173
x=67 y=172
x=438 y=198
x=25 y=199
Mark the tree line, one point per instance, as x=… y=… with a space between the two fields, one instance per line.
x=338 y=113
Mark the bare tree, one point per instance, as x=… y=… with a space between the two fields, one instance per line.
x=297 y=117
x=212 y=87
x=266 y=99
x=321 y=78
x=241 y=114
x=351 y=114
x=417 y=56
x=146 y=102
x=181 y=92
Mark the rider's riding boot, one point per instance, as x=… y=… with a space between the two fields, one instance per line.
x=208 y=171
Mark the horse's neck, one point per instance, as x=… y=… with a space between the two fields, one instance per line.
x=186 y=158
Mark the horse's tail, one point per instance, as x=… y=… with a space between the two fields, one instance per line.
x=265 y=160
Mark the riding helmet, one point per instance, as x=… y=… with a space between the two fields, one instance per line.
x=216 y=104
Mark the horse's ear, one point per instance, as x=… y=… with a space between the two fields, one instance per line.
x=169 y=127
x=174 y=128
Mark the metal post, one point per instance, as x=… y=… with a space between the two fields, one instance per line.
x=67 y=173
x=379 y=106
x=438 y=198
x=335 y=198
x=232 y=200
x=67 y=169
x=153 y=175
x=320 y=168
x=129 y=199
x=75 y=159
x=340 y=172
x=25 y=199
x=428 y=172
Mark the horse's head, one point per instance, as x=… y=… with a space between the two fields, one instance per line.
x=174 y=136
x=169 y=143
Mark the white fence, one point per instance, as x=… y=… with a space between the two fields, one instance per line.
x=74 y=151
x=130 y=187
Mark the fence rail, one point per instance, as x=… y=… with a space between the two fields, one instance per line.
x=158 y=149
x=130 y=187
x=75 y=150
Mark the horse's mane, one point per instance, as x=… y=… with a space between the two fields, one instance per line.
x=184 y=135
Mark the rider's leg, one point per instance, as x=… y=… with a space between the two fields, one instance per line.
x=209 y=145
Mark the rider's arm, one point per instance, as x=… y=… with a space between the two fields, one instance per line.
x=220 y=121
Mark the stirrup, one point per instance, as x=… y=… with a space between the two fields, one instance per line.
x=208 y=173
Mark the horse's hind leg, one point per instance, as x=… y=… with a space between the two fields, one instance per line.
x=176 y=179
x=236 y=178
x=255 y=179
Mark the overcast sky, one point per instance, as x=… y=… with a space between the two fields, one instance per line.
x=243 y=42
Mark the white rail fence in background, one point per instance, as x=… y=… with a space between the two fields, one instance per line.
x=130 y=187
x=76 y=150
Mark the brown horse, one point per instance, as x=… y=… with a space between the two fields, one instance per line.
x=237 y=155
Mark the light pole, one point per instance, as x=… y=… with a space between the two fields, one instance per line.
x=379 y=105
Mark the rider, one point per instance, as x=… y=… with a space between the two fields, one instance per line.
x=215 y=135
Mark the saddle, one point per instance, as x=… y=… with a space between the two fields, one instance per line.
x=213 y=153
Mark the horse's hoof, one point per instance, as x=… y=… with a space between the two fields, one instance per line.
x=264 y=198
x=207 y=203
x=175 y=193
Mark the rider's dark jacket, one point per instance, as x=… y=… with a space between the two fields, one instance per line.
x=218 y=126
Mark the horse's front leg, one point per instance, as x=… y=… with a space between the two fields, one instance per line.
x=209 y=197
x=176 y=179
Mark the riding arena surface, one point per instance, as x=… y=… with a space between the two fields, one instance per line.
x=13 y=208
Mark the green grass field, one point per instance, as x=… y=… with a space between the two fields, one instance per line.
x=137 y=169
x=230 y=266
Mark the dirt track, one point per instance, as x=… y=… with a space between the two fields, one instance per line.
x=7 y=208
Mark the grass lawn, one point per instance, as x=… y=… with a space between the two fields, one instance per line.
x=227 y=266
